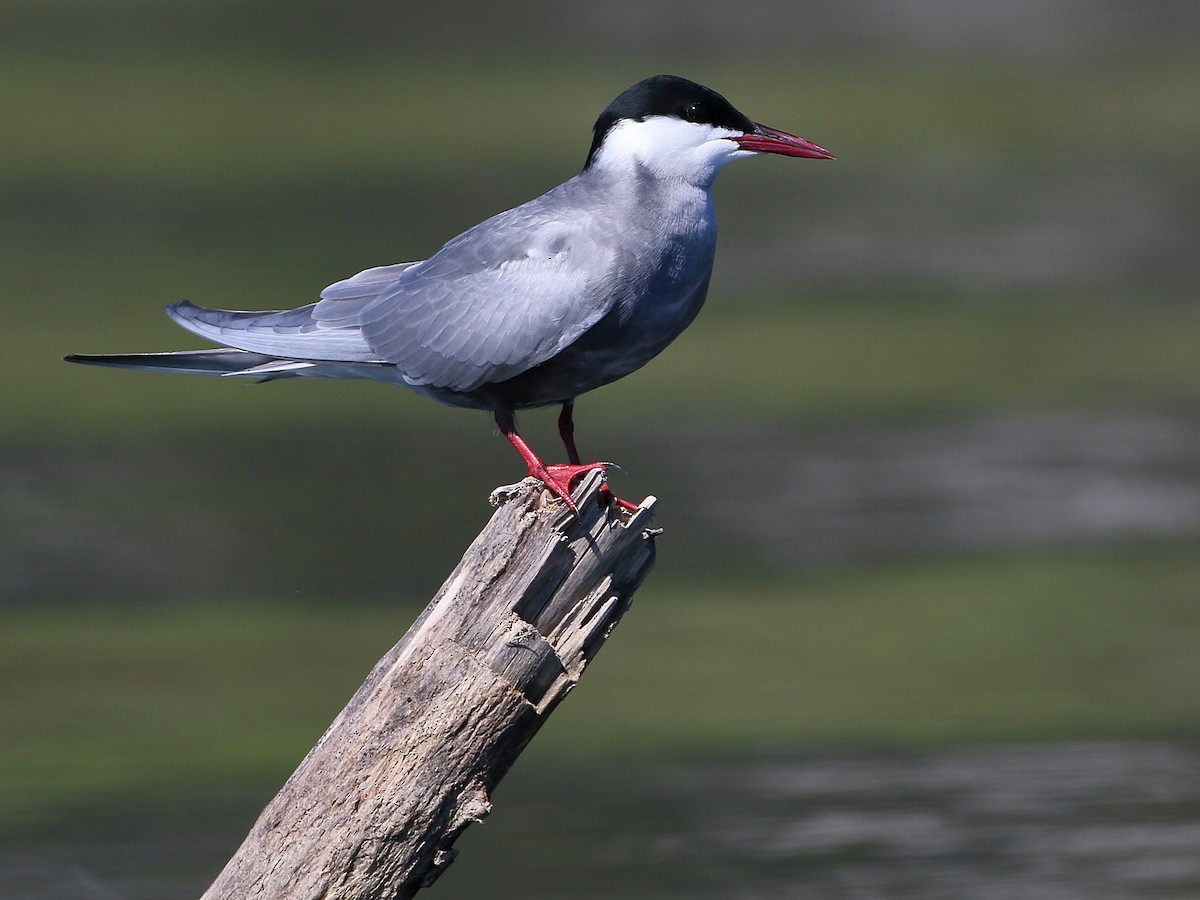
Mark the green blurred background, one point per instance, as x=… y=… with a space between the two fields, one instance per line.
x=926 y=463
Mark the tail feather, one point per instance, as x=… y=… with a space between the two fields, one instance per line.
x=197 y=362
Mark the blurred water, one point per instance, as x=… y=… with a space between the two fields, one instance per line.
x=1024 y=28
x=280 y=516
x=1011 y=480
x=1089 y=217
x=976 y=225
x=1086 y=821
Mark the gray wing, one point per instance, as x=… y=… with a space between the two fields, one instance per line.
x=498 y=299
x=327 y=330
x=342 y=301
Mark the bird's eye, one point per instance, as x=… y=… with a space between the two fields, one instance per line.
x=695 y=112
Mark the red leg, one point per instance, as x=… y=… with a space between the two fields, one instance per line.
x=557 y=478
x=566 y=430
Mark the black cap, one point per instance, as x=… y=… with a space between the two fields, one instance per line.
x=668 y=95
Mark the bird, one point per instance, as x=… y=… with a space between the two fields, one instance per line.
x=534 y=306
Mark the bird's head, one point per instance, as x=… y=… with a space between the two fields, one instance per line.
x=674 y=126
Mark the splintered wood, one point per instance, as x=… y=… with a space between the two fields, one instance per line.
x=375 y=807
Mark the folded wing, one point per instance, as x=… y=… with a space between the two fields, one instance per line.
x=497 y=300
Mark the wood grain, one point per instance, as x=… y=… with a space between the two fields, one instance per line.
x=375 y=807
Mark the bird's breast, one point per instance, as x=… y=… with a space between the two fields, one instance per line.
x=647 y=263
x=623 y=341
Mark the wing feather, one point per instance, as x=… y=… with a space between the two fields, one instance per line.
x=497 y=300
x=291 y=333
x=327 y=330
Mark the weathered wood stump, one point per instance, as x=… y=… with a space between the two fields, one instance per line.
x=375 y=807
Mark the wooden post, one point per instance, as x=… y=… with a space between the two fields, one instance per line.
x=375 y=807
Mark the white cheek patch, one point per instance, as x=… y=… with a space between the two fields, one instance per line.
x=669 y=146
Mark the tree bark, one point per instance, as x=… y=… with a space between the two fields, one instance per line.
x=375 y=807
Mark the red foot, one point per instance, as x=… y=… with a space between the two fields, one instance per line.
x=606 y=491
x=561 y=477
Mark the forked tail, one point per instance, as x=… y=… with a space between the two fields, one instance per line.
x=225 y=361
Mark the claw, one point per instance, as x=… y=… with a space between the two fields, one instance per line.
x=559 y=477
x=606 y=491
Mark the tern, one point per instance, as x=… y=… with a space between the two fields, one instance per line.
x=534 y=306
